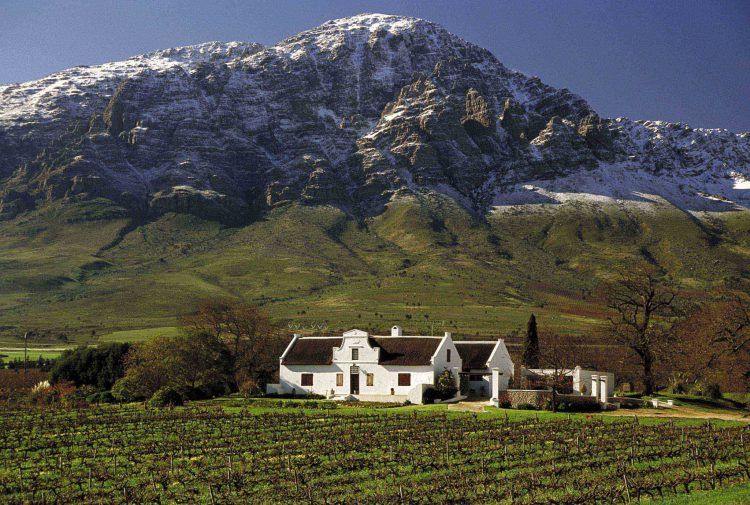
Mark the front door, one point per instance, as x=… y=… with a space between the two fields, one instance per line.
x=354 y=384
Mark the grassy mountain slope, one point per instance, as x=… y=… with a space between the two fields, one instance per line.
x=82 y=269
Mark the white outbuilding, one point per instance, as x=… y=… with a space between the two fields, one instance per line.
x=393 y=368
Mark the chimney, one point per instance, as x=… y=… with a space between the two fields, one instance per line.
x=396 y=331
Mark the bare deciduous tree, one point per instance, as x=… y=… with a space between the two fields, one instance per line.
x=558 y=358
x=714 y=340
x=642 y=305
x=255 y=342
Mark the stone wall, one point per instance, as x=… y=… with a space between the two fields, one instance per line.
x=516 y=397
x=540 y=398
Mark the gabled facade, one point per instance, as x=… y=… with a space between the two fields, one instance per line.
x=479 y=360
x=375 y=368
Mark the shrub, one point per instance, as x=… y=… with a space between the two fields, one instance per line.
x=430 y=395
x=708 y=390
x=578 y=407
x=249 y=388
x=101 y=397
x=126 y=390
x=678 y=388
x=526 y=406
x=505 y=404
x=445 y=385
x=165 y=397
x=61 y=393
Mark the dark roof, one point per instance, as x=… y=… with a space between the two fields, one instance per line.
x=312 y=351
x=475 y=355
x=406 y=351
x=410 y=351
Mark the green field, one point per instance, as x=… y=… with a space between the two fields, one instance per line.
x=139 y=335
x=229 y=451
x=32 y=355
x=425 y=263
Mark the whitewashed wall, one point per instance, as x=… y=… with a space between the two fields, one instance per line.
x=500 y=359
x=582 y=377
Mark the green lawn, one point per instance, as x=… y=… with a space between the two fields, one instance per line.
x=735 y=495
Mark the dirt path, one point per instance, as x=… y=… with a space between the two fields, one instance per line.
x=679 y=412
x=682 y=412
x=477 y=406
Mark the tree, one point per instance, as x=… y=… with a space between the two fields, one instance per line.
x=95 y=366
x=197 y=361
x=254 y=341
x=714 y=341
x=531 y=344
x=557 y=359
x=642 y=305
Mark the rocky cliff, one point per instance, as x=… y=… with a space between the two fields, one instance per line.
x=349 y=113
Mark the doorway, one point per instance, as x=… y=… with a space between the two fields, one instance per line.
x=354 y=384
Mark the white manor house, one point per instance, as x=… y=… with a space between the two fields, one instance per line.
x=392 y=368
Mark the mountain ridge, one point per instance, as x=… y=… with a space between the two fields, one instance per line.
x=351 y=113
x=370 y=171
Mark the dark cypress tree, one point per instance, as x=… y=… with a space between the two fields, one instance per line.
x=531 y=345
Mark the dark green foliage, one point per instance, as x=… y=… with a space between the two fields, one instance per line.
x=165 y=397
x=708 y=390
x=94 y=366
x=575 y=407
x=101 y=397
x=531 y=344
x=430 y=395
x=126 y=390
x=445 y=385
x=526 y=406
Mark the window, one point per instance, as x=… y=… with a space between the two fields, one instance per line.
x=339 y=379
x=355 y=354
x=404 y=379
x=370 y=379
x=449 y=356
x=307 y=379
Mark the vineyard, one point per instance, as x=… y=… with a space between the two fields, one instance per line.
x=210 y=455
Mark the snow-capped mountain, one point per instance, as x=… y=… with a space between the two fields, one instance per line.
x=350 y=113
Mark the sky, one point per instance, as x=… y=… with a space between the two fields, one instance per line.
x=686 y=61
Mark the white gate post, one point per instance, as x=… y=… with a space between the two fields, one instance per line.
x=603 y=388
x=595 y=386
x=495 y=383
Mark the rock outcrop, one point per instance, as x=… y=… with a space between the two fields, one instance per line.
x=349 y=113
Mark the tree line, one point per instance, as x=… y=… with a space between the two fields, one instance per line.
x=224 y=346
x=688 y=343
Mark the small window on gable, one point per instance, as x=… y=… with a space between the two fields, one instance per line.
x=370 y=379
x=404 y=379
x=307 y=379
x=339 y=379
x=448 y=357
x=355 y=354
